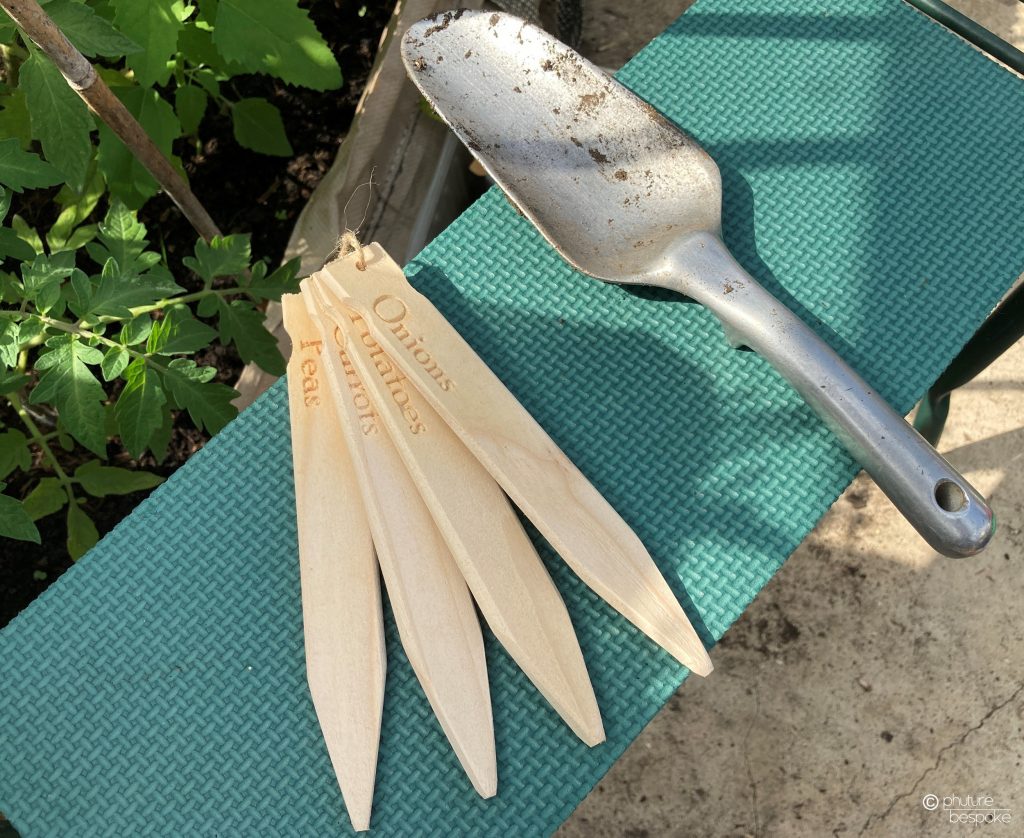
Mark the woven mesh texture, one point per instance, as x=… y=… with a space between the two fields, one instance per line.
x=870 y=181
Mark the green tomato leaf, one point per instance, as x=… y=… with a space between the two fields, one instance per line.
x=208 y=80
x=79 y=238
x=282 y=281
x=92 y=34
x=242 y=323
x=100 y=480
x=25 y=232
x=136 y=330
x=196 y=44
x=127 y=178
x=161 y=439
x=60 y=119
x=31 y=328
x=190 y=103
x=10 y=341
x=78 y=293
x=13 y=246
x=47 y=497
x=118 y=292
x=138 y=410
x=62 y=228
x=11 y=290
x=69 y=385
x=122 y=237
x=207 y=402
x=223 y=256
x=42 y=278
x=114 y=78
x=14 y=520
x=22 y=170
x=114 y=362
x=207 y=11
x=207 y=306
x=85 y=200
x=275 y=37
x=258 y=125
x=15 y=120
x=12 y=381
x=82 y=534
x=109 y=421
x=14 y=452
x=154 y=25
x=77 y=207
x=179 y=332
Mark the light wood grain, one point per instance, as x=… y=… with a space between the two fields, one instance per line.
x=511 y=586
x=433 y=609
x=341 y=605
x=580 y=524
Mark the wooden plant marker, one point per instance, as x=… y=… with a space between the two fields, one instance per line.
x=508 y=580
x=433 y=610
x=341 y=608
x=578 y=522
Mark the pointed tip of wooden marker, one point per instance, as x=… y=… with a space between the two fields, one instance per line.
x=476 y=754
x=486 y=786
x=575 y=702
x=586 y=722
x=684 y=644
x=701 y=665
x=358 y=796
x=360 y=820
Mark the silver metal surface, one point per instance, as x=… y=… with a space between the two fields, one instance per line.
x=627 y=197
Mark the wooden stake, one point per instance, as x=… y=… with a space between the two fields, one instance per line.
x=341 y=605
x=82 y=78
x=506 y=576
x=432 y=606
x=580 y=524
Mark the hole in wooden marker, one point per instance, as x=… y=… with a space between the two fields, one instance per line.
x=349 y=243
x=949 y=496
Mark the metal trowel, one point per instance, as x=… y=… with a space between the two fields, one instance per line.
x=625 y=196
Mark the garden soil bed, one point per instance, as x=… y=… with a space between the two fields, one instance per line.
x=245 y=192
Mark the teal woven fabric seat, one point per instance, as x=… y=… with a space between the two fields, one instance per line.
x=159 y=687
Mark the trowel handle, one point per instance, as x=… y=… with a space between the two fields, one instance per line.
x=949 y=513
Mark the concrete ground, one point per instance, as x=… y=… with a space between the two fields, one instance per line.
x=870 y=672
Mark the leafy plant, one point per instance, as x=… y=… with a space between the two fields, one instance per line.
x=168 y=61
x=95 y=339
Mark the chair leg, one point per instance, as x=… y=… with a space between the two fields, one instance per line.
x=1004 y=327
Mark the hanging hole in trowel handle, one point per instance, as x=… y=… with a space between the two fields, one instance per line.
x=950 y=497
